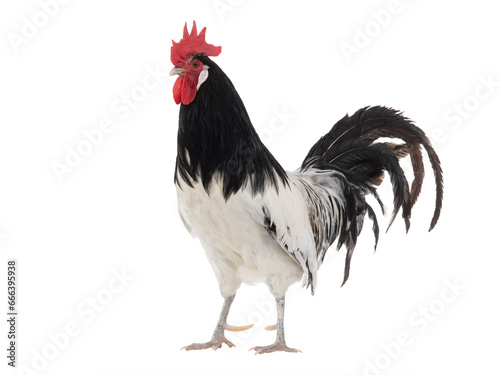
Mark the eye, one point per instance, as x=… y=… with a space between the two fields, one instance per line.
x=196 y=64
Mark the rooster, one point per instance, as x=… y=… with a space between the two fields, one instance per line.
x=260 y=223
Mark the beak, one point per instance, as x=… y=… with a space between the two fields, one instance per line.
x=176 y=70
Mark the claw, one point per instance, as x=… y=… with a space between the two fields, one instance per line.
x=237 y=329
x=272 y=327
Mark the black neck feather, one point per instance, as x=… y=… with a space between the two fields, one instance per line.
x=216 y=139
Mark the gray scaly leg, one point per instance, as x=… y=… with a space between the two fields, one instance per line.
x=279 y=344
x=218 y=336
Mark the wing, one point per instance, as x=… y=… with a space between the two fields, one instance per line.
x=336 y=211
x=305 y=217
x=331 y=207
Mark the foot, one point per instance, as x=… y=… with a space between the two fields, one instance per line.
x=215 y=344
x=218 y=338
x=276 y=347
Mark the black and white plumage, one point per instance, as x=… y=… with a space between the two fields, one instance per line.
x=259 y=223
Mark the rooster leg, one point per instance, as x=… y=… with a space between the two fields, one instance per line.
x=279 y=344
x=218 y=336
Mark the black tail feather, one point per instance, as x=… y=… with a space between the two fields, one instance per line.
x=351 y=148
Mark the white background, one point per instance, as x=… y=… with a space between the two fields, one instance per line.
x=116 y=210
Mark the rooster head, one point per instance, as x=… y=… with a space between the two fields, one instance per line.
x=192 y=72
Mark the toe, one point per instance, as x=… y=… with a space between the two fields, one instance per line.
x=276 y=347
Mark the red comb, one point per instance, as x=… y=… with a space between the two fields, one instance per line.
x=191 y=44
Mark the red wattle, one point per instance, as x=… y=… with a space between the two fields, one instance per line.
x=177 y=90
x=184 y=90
x=188 y=91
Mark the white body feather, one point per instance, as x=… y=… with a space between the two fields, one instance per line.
x=236 y=241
